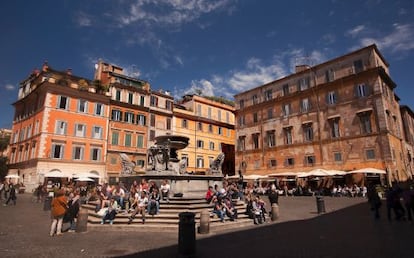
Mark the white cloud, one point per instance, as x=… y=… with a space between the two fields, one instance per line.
x=9 y=87
x=400 y=39
x=83 y=19
x=354 y=32
x=169 y=12
x=328 y=38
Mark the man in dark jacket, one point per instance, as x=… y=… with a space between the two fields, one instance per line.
x=273 y=198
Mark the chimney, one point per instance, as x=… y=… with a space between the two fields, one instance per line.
x=45 y=66
x=301 y=68
x=69 y=71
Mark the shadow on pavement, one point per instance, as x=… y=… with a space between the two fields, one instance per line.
x=349 y=232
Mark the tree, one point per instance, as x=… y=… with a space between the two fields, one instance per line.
x=4 y=143
x=3 y=167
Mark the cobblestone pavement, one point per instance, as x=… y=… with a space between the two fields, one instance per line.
x=347 y=229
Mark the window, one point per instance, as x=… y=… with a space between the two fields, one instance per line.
x=129 y=117
x=255 y=99
x=361 y=90
x=241 y=146
x=61 y=127
x=227 y=117
x=286 y=110
x=140 y=141
x=310 y=160
x=288 y=135
x=80 y=130
x=334 y=127
x=337 y=156
x=269 y=113
x=305 y=105
x=96 y=154
x=33 y=152
x=241 y=103
x=270 y=138
x=168 y=105
x=358 y=67
x=116 y=115
x=140 y=163
x=365 y=121
x=329 y=75
x=303 y=83
x=200 y=162
x=210 y=128
x=255 y=118
x=289 y=162
x=115 y=138
x=184 y=123
x=168 y=123
x=331 y=98
x=285 y=89
x=152 y=120
x=242 y=120
x=36 y=129
x=128 y=138
x=118 y=95
x=268 y=94
x=198 y=110
x=99 y=109
x=21 y=136
x=152 y=135
x=82 y=106
x=154 y=101
x=63 y=102
x=200 y=144
x=130 y=98
x=29 y=131
x=97 y=132
x=209 y=113
x=77 y=153
x=57 y=151
x=185 y=157
x=272 y=163
x=308 y=132
x=200 y=126
x=255 y=139
x=141 y=119
x=219 y=115
x=211 y=145
x=370 y=154
x=141 y=100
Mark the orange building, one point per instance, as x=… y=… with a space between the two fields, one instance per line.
x=60 y=126
x=128 y=121
x=209 y=124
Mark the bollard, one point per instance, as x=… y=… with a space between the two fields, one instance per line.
x=82 y=221
x=320 y=204
x=275 y=211
x=186 y=235
x=47 y=204
x=204 y=222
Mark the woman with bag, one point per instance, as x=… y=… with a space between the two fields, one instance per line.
x=58 y=210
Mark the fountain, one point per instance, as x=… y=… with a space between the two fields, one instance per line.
x=164 y=163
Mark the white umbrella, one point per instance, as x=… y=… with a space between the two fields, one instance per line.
x=12 y=176
x=56 y=173
x=319 y=172
x=84 y=179
x=368 y=170
x=286 y=174
x=87 y=174
x=253 y=177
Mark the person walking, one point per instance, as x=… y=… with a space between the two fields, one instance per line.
x=58 y=209
x=374 y=201
x=12 y=195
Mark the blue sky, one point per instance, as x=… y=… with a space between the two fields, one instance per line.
x=222 y=47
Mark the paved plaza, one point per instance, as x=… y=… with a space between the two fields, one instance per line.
x=347 y=229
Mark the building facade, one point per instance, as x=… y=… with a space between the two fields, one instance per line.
x=407 y=117
x=60 y=126
x=209 y=125
x=342 y=114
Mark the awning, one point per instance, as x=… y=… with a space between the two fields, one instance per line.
x=87 y=174
x=368 y=170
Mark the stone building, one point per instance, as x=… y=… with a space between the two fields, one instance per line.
x=407 y=117
x=342 y=114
